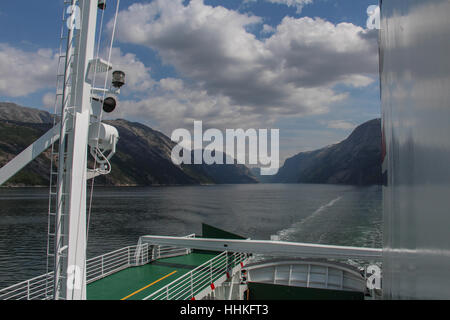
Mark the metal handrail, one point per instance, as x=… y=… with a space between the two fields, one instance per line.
x=41 y=287
x=26 y=290
x=190 y=284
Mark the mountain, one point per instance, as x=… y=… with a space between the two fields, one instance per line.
x=356 y=160
x=142 y=157
x=13 y=112
x=225 y=173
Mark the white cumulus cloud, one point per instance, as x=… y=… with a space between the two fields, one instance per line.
x=298 y=4
x=291 y=73
x=340 y=124
x=25 y=72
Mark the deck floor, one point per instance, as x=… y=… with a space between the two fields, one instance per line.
x=136 y=283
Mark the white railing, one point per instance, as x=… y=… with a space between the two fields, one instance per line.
x=193 y=283
x=41 y=287
x=112 y=262
x=162 y=251
x=38 y=288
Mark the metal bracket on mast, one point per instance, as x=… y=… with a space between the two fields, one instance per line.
x=32 y=152
x=96 y=66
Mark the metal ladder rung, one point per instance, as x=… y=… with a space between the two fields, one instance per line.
x=53 y=214
x=52 y=255
x=53 y=234
x=56 y=193
x=57 y=154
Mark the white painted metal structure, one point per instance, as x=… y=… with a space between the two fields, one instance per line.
x=41 y=287
x=29 y=154
x=79 y=115
x=415 y=82
x=268 y=247
x=306 y=273
x=197 y=284
x=70 y=235
x=292 y=272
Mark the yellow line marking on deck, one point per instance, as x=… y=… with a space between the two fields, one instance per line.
x=149 y=285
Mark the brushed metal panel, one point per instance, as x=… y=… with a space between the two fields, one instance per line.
x=415 y=93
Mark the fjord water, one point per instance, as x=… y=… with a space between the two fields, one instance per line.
x=327 y=214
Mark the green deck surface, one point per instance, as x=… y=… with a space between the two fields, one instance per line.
x=155 y=275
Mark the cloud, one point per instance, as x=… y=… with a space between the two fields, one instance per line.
x=267 y=29
x=291 y=73
x=138 y=77
x=298 y=4
x=316 y=52
x=173 y=103
x=48 y=101
x=340 y=124
x=25 y=72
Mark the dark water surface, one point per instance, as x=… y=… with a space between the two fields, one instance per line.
x=328 y=214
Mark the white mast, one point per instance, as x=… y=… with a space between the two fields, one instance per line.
x=70 y=239
x=80 y=128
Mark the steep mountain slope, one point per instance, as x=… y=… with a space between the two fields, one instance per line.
x=356 y=160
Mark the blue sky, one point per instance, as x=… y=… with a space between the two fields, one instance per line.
x=306 y=67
